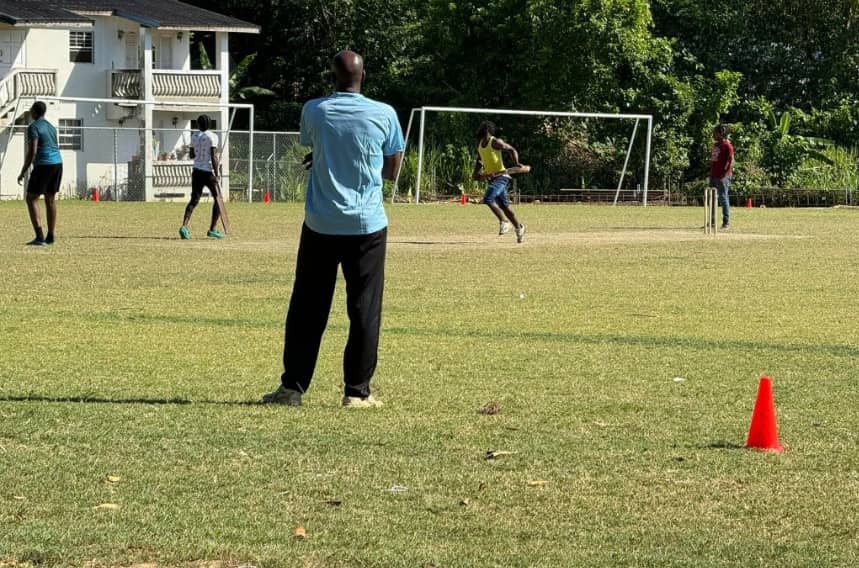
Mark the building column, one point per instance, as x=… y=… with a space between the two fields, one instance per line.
x=148 y=110
x=222 y=46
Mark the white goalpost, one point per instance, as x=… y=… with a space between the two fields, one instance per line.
x=226 y=110
x=421 y=112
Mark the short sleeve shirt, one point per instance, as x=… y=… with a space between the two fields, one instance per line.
x=720 y=157
x=47 y=148
x=203 y=142
x=350 y=135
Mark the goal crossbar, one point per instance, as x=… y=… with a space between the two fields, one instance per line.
x=648 y=118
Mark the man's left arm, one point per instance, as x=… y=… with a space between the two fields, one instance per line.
x=729 y=164
x=499 y=144
x=392 y=149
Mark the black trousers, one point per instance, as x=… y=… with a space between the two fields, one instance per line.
x=363 y=260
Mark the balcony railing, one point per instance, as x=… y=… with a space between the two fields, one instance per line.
x=168 y=85
x=27 y=83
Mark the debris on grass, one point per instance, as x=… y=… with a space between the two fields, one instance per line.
x=113 y=478
x=492 y=454
x=678 y=379
x=481 y=488
x=490 y=408
x=107 y=506
x=398 y=489
x=300 y=533
x=465 y=502
x=537 y=483
x=333 y=502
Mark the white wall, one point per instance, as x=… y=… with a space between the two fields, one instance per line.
x=49 y=49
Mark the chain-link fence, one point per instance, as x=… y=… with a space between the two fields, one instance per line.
x=109 y=162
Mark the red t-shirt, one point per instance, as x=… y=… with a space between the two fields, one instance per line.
x=720 y=157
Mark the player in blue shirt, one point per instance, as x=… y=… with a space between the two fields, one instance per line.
x=356 y=142
x=43 y=153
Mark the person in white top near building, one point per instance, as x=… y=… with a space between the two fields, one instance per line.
x=204 y=151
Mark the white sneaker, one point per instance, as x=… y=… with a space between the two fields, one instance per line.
x=282 y=395
x=361 y=402
x=520 y=233
x=503 y=228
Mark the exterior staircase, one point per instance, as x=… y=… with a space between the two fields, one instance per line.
x=24 y=83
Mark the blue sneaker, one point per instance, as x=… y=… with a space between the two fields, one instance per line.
x=37 y=243
x=184 y=233
x=216 y=234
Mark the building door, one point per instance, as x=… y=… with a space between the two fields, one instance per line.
x=11 y=50
x=132 y=50
x=162 y=57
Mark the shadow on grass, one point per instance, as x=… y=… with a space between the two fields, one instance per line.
x=99 y=400
x=433 y=242
x=722 y=445
x=633 y=340
x=111 y=237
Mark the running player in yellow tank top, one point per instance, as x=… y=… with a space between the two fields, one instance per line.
x=490 y=167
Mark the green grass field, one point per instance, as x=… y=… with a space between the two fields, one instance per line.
x=127 y=352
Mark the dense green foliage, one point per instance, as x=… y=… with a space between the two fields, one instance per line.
x=690 y=64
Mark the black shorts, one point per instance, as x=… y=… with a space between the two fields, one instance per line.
x=201 y=179
x=45 y=179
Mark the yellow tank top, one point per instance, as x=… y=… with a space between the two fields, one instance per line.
x=490 y=157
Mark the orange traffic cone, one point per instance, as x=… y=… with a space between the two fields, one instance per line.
x=463 y=199
x=95 y=194
x=267 y=197
x=763 y=433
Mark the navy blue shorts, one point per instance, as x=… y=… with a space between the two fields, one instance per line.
x=45 y=179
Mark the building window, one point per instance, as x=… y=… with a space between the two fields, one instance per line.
x=71 y=135
x=80 y=47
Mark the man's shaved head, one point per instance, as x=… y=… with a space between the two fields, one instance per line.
x=348 y=71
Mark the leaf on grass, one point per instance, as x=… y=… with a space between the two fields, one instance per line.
x=334 y=502
x=113 y=479
x=481 y=487
x=107 y=506
x=300 y=533
x=19 y=498
x=465 y=502
x=490 y=408
x=492 y=454
x=537 y=483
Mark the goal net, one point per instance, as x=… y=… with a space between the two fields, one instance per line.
x=134 y=150
x=594 y=157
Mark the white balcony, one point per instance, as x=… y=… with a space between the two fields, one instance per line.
x=26 y=83
x=168 y=85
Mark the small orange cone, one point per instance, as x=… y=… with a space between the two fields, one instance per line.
x=763 y=433
x=749 y=204
x=95 y=194
x=267 y=197
x=463 y=199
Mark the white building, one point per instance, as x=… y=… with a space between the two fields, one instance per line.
x=111 y=49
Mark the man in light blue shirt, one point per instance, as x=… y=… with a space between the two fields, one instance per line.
x=356 y=143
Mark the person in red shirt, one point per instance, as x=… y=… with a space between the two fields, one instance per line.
x=722 y=172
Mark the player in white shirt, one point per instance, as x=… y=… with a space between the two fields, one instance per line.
x=204 y=151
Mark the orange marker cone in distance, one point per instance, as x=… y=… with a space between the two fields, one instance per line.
x=763 y=433
x=267 y=197
x=463 y=199
x=95 y=195
x=749 y=204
